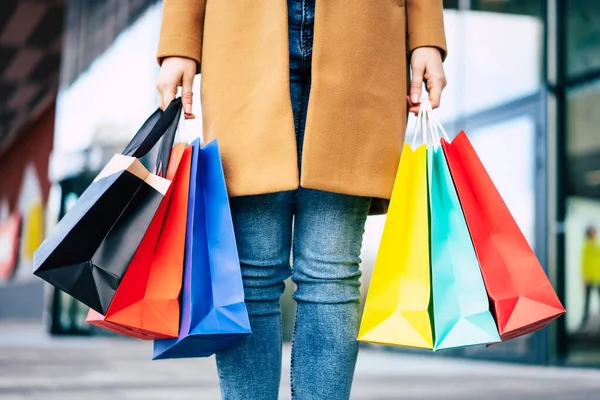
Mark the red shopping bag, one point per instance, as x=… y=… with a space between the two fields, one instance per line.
x=146 y=304
x=10 y=232
x=523 y=300
x=95 y=318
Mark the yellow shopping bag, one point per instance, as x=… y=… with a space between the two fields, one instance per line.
x=398 y=305
x=33 y=231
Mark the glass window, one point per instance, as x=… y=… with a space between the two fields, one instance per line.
x=583 y=36
x=582 y=258
x=515 y=180
x=534 y=8
x=582 y=263
x=451 y=4
x=483 y=71
x=583 y=141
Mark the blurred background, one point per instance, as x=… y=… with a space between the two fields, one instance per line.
x=77 y=78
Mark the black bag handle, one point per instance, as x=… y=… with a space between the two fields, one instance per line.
x=166 y=146
x=153 y=129
x=159 y=125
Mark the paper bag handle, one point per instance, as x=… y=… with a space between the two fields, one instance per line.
x=155 y=127
x=428 y=125
x=159 y=125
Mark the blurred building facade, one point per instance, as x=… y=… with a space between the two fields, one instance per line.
x=30 y=52
x=524 y=83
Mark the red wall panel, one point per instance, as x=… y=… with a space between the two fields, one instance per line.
x=33 y=145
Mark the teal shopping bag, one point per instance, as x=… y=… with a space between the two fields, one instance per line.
x=461 y=311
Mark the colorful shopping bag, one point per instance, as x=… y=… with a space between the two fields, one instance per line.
x=95 y=318
x=461 y=311
x=147 y=300
x=523 y=298
x=33 y=229
x=87 y=253
x=10 y=232
x=398 y=305
x=213 y=311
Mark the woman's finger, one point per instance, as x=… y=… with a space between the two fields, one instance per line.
x=416 y=83
x=187 y=95
x=413 y=107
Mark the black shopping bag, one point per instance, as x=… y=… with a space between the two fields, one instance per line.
x=87 y=253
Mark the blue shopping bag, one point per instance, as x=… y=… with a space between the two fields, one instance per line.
x=461 y=309
x=213 y=311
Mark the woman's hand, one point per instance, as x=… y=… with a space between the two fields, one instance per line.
x=175 y=72
x=426 y=65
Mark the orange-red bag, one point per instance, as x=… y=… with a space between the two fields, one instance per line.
x=95 y=318
x=10 y=231
x=146 y=303
x=523 y=300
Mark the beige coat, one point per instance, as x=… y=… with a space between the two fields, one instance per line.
x=357 y=110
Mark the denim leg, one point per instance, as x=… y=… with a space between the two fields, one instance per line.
x=328 y=232
x=263 y=229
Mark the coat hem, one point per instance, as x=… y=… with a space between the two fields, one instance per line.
x=379 y=205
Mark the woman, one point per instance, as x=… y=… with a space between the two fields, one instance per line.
x=308 y=102
x=590 y=270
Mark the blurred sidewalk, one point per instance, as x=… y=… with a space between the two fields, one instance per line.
x=35 y=366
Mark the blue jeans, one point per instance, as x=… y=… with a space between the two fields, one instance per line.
x=325 y=232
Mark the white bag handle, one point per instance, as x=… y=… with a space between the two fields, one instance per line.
x=428 y=125
x=420 y=127
x=435 y=126
x=183 y=133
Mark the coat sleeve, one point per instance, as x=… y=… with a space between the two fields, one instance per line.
x=182 y=29
x=425 y=21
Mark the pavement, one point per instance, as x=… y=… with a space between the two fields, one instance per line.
x=35 y=366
